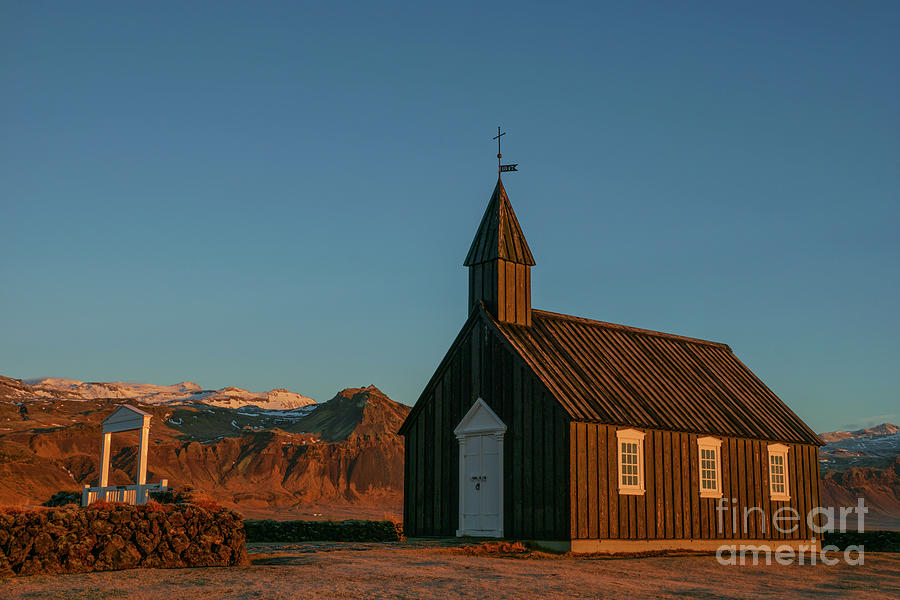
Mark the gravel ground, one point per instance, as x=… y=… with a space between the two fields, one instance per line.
x=437 y=570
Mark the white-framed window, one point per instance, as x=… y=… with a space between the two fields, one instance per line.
x=710 y=465
x=631 y=461
x=779 y=489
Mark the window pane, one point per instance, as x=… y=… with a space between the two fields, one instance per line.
x=778 y=473
x=709 y=466
x=628 y=458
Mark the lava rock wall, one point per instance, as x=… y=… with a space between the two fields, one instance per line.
x=105 y=537
x=323 y=531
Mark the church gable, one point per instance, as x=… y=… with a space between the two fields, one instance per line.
x=463 y=340
x=477 y=362
x=482 y=367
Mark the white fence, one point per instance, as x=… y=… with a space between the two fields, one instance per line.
x=129 y=494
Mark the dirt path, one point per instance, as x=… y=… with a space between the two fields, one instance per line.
x=431 y=571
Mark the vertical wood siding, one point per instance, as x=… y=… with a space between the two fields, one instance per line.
x=536 y=444
x=671 y=507
x=505 y=289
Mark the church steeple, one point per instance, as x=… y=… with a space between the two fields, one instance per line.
x=500 y=262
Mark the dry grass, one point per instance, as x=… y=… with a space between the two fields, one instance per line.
x=525 y=550
x=499 y=549
x=409 y=570
x=207 y=504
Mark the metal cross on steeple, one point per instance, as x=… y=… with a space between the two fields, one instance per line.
x=500 y=167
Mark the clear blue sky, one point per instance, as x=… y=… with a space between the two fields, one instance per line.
x=275 y=195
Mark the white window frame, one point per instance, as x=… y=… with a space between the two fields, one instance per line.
x=636 y=437
x=779 y=450
x=714 y=444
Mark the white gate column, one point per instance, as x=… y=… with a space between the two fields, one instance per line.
x=104 y=460
x=142 y=455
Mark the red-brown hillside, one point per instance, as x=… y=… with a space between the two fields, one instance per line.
x=340 y=455
x=879 y=487
x=864 y=464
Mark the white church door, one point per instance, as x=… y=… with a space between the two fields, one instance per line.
x=480 y=436
x=481 y=472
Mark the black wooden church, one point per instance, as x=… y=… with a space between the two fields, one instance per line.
x=592 y=436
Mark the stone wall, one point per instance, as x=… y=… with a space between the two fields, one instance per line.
x=323 y=531
x=106 y=537
x=873 y=541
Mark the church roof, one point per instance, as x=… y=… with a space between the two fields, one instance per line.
x=499 y=234
x=615 y=374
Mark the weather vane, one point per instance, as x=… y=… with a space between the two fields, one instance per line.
x=500 y=167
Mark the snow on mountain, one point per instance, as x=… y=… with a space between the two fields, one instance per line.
x=186 y=391
x=870 y=432
x=874 y=446
x=71 y=388
x=278 y=399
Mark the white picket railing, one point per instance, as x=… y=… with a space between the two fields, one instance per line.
x=129 y=494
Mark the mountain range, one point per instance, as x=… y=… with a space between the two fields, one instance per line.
x=281 y=454
x=863 y=463
x=180 y=393
x=276 y=453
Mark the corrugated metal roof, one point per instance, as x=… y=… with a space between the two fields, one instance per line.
x=623 y=375
x=499 y=234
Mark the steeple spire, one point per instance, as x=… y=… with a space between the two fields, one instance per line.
x=499 y=235
x=500 y=262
